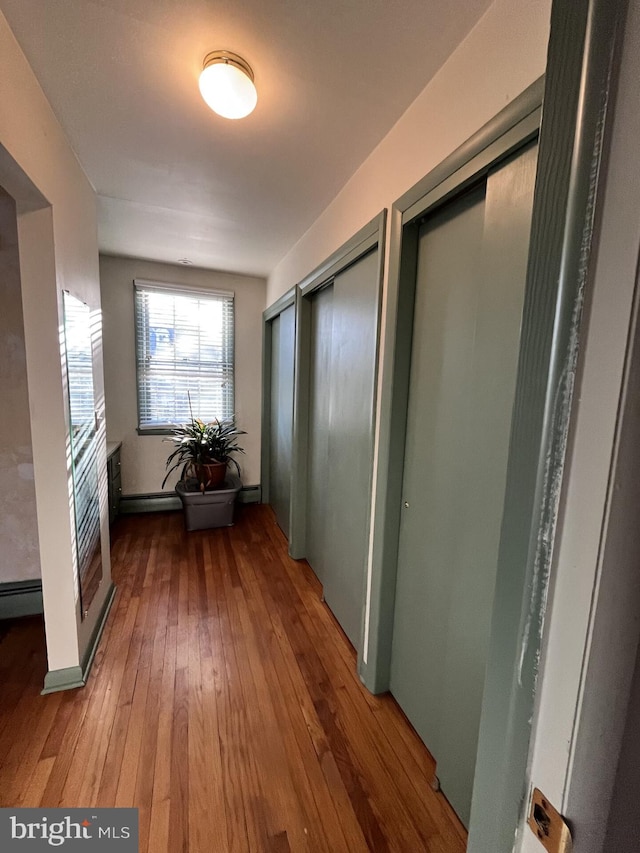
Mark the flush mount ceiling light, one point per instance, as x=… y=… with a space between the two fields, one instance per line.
x=226 y=84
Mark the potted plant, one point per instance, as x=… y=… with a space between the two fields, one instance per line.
x=206 y=488
x=204 y=450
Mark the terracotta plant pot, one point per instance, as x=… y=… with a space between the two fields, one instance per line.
x=211 y=475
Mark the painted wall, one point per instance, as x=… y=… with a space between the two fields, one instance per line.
x=19 y=548
x=58 y=250
x=144 y=457
x=500 y=57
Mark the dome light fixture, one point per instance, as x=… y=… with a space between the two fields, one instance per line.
x=226 y=84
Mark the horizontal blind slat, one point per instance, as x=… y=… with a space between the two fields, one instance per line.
x=184 y=347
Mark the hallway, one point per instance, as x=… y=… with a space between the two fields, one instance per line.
x=224 y=704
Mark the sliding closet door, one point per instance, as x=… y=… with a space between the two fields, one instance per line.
x=472 y=256
x=320 y=381
x=281 y=414
x=353 y=365
x=343 y=343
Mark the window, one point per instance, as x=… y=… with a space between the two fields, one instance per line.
x=184 y=354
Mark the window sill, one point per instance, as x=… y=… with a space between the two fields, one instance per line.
x=154 y=430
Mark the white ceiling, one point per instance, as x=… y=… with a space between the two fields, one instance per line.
x=175 y=180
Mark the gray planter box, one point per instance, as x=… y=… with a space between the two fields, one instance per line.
x=211 y=509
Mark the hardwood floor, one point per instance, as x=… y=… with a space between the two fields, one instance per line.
x=224 y=704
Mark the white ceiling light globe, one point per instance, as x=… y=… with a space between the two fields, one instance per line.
x=226 y=85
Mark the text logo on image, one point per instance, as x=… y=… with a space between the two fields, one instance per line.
x=27 y=830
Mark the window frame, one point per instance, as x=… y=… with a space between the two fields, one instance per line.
x=174 y=289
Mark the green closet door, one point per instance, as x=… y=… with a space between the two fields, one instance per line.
x=281 y=414
x=320 y=379
x=343 y=346
x=472 y=257
x=354 y=334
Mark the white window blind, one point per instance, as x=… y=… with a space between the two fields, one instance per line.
x=184 y=349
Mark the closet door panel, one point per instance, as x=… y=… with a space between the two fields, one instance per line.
x=353 y=370
x=502 y=276
x=281 y=425
x=320 y=379
x=471 y=274
x=435 y=467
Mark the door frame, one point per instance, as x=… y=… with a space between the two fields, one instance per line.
x=369 y=237
x=511 y=129
x=270 y=314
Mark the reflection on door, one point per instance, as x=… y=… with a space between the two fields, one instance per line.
x=84 y=445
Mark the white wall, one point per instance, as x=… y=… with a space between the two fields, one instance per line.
x=19 y=548
x=144 y=457
x=501 y=56
x=58 y=250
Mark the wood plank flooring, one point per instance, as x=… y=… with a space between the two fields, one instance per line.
x=224 y=704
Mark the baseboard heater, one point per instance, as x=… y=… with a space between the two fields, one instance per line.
x=20 y=598
x=163 y=501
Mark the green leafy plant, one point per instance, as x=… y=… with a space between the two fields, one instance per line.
x=198 y=444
